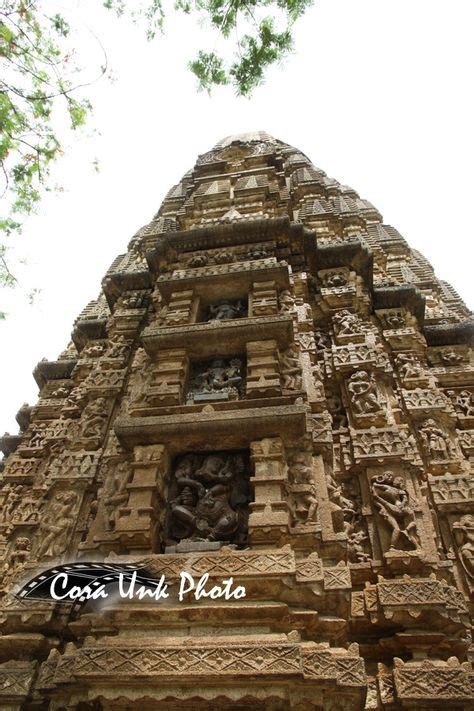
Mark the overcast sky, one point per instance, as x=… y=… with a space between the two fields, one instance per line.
x=378 y=94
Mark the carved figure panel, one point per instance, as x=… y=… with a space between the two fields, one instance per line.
x=226 y=309
x=393 y=503
x=217 y=379
x=208 y=498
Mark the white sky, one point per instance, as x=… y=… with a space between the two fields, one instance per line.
x=378 y=94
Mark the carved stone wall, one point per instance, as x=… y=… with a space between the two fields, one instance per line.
x=271 y=386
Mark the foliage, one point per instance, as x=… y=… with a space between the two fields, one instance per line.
x=39 y=79
x=261 y=45
x=37 y=69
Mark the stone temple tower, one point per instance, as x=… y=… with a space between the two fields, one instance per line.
x=271 y=386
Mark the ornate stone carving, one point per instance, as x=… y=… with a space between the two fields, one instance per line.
x=219 y=379
x=310 y=335
x=208 y=498
x=290 y=369
x=56 y=525
x=393 y=504
x=225 y=310
x=346 y=324
x=364 y=393
x=464 y=534
x=436 y=442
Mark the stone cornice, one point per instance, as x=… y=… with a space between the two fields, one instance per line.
x=235 y=277
x=234 y=428
x=219 y=337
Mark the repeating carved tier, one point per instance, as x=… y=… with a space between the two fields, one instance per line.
x=272 y=391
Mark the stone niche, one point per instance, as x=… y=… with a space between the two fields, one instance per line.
x=223 y=310
x=216 y=380
x=208 y=501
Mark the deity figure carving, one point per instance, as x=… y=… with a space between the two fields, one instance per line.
x=198 y=260
x=393 y=504
x=290 y=369
x=225 y=310
x=12 y=499
x=435 y=441
x=346 y=323
x=118 y=347
x=94 y=418
x=115 y=492
x=22 y=506
x=60 y=392
x=224 y=256
x=364 y=393
x=93 y=350
x=56 y=525
x=305 y=506
x=211 y=497
x=464 y=536
x=356 y=552
x=450 y=357
x=287 y=302
x=394 y=319
x=334 y=279
x=300 y=471
x=354 y=526
x=219 y=379
x=16 y=562
x=409 y=366
x=336 y=408
x=463 y=402
x=132 y=300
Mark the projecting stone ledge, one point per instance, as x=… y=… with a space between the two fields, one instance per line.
x=222 y=337
x=234 y=428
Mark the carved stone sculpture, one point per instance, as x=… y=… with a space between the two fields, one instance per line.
x=287 y=301
x=463 y=401
x=393 y=503
x=409 y=366
x=464 y=535
x=435 y=440
x=94 y=419
x=335 y=279
x=450 y=357
x=364 y=393
x=56 y=525
x=290 y=369
x=219 y=379
x=346 y=323
x=225 y=310
x=394 y=319
x=211 y=495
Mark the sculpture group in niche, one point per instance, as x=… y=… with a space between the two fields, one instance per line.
x=287 y=301
x=225 y=310
x=393 y=504
x=56 y=525
x=464 y=535
x=334 y=279
x=346 y=323
x=115 y=493
x=463 y=402
x=409 y=366
x=394 y=319
x=364 y=393
x=209 y=497
x=219 y=379
x=435 y=441
x=290 y=369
